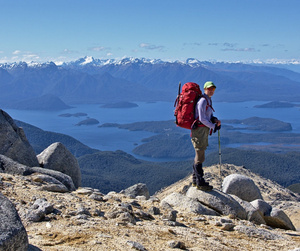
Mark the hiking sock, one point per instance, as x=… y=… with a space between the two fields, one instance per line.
x=194 y=181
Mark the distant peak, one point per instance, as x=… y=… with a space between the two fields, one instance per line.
x=87 y=60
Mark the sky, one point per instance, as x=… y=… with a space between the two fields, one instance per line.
x=208 y=30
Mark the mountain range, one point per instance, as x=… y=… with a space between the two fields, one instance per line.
x=89 y=80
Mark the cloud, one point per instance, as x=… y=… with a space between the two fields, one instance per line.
x=16 y=52
x=30 y=57
x=151 y=46
x=231 y=45
x=241 y=49
x=195 y=43
x=3 y=60
x=67 y=51
x=213 y=44
x=99 y=48
x=25 y=56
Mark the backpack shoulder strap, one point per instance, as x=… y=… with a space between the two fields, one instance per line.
x=207 y=103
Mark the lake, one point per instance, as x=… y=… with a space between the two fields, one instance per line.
x=111 y=139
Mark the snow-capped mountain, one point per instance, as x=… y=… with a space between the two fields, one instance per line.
x=192 y=62
x=90 y=61
x=90 y=80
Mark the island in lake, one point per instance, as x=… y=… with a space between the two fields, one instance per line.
x=260 y=124
x=78 y=114
x=277 y=104
x=171 y=141
x=122 y=104
x=88 y=121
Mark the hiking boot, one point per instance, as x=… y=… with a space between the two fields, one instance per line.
x=204 y=186
x=194 y=184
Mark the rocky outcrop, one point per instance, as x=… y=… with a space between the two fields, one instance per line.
x=180 y=202
x=139 y=189
x=60 y=177
x=117 y=221
x=13 y=235
x=241 y=186
x=57 y=157
x=257 y=211
x=222 y=203
x=7 y=165
x=13 y=142
x=278 y=219
x=274 y=217
x=18 y=157
x=253 y=214
x=263 y=207
x=39 y=209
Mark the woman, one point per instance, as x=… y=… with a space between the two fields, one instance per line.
x=207 y=124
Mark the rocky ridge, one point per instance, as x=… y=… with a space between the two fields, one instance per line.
x=86 y=219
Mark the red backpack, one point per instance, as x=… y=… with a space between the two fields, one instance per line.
x=185 y=105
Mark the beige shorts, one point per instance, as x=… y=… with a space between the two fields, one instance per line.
x=200 y=138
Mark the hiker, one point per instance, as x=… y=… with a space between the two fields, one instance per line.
x=206 y=125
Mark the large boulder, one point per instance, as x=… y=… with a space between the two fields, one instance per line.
x=10 y=166
x=49 y=183
x=241 y=186
x=181 y=202
x=139 y=189
x=253 y=214
x=7 y=165
x=274 y=217
x=13 y=142
x=263 y=207
x=65 y=179
x=278 y=219
x=222 y=203
x=13 y=235
x=58 y=157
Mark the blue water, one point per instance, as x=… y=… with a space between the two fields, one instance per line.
x=243 y=110
x=111 y=139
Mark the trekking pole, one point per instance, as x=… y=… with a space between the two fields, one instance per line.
x=219 y=152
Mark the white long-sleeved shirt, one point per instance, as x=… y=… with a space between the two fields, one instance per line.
x=204 y=111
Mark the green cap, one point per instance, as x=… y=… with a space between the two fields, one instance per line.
x=209 y=84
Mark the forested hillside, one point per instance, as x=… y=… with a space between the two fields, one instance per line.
x=109 y=171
